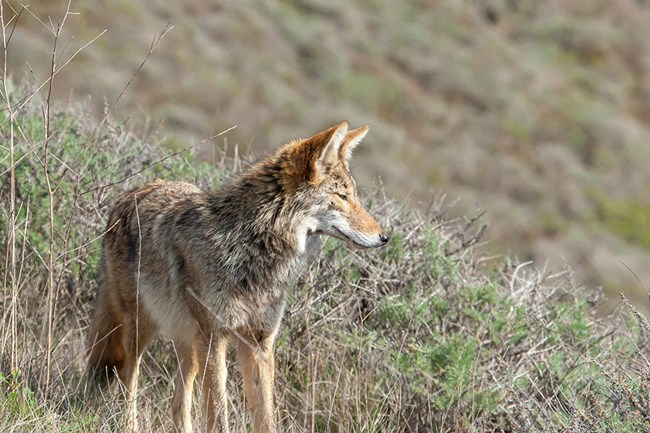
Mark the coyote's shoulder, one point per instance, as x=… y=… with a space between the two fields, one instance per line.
x=200 y=267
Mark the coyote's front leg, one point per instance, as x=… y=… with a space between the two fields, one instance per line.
x=211 y=357
x=188 y=367
x=256 y=360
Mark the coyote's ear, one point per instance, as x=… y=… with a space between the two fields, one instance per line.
x=310 y=158
x=331 y=143
x=352 y=139
x=322 y=150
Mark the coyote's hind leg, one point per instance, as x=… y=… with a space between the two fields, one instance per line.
x=136 y=337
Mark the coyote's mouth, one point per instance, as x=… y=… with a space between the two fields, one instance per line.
x=345 y=238
x=338 y=234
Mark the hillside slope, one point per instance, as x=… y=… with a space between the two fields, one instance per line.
x=538 y=111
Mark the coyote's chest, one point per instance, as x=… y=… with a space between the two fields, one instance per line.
x=256 y=299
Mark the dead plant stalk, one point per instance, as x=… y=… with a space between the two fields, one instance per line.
x=10 y=259
x=51 y=289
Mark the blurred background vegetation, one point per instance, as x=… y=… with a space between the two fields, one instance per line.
x=538 y=112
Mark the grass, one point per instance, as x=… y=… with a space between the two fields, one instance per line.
x=425 y=335
x=422 y=336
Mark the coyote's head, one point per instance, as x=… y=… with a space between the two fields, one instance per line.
x=317 y=175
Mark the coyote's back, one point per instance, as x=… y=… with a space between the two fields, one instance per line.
x=204 y=268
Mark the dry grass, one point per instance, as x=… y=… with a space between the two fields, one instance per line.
x=425 y=336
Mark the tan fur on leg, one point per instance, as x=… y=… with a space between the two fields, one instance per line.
x=211 y=356
x=257 y=363
x=182 y=404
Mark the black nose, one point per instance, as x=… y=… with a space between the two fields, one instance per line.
x=384 y=238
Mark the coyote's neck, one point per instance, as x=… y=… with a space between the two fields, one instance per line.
x=256 y=234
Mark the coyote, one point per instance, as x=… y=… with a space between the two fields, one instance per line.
x=205 y=268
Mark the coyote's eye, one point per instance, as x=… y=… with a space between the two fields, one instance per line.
x=343 y=197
